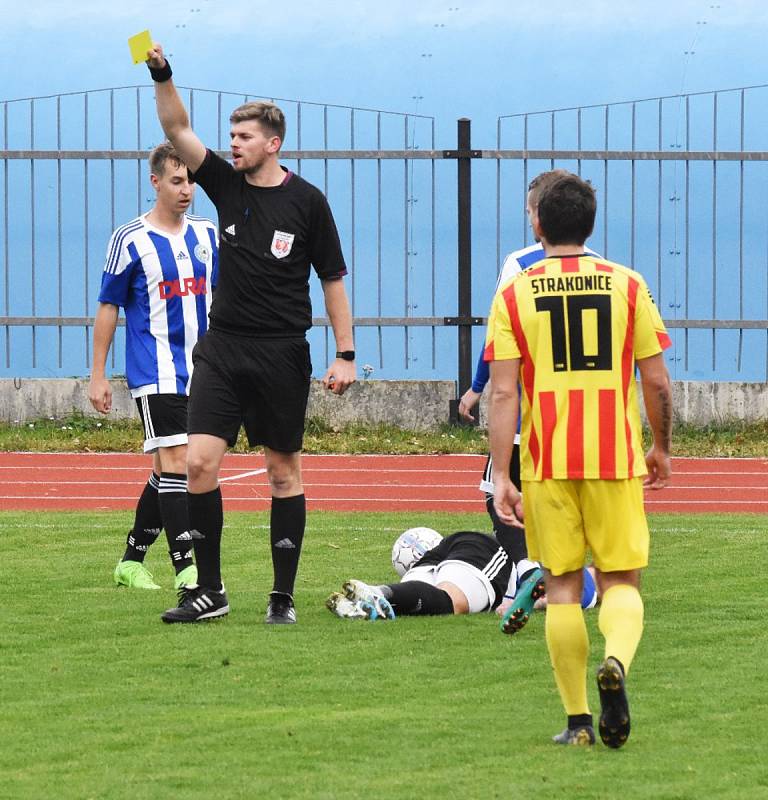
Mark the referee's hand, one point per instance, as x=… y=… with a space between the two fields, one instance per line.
x=340 y=376
x=155 y=56
x=100 y=395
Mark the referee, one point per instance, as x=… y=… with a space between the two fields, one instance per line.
x=253 y=367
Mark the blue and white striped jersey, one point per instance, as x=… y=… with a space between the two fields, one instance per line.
x=164 y=282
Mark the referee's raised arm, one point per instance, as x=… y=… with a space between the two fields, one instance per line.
x=171 y=112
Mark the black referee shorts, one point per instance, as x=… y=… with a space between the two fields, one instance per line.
x=261 y=384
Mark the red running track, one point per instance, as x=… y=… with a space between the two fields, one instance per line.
x=93 y=481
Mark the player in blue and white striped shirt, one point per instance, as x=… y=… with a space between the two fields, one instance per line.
x=161 y=269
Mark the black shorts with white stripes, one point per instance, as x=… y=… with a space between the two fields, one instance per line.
x=164 y=417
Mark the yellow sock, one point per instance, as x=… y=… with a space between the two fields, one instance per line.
x=568 y=645
x=621 y=622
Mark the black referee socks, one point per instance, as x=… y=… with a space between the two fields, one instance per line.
x=286 y=530
x=206 y=516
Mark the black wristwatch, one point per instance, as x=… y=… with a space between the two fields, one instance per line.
x=346 y=355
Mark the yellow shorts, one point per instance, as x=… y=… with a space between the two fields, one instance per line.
x=563 y=518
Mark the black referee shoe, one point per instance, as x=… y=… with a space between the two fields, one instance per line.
x=280 y=610
x=197 y=604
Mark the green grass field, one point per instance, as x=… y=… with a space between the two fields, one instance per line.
x=101 y=700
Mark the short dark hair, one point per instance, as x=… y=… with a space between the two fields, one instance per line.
x=542 y=182
x=160 y=155
x=268 y=115
x=566 y=211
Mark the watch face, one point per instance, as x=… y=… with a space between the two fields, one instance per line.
x=346 y=355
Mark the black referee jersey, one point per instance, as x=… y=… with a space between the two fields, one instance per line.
x=270 y=236
x=481 y=550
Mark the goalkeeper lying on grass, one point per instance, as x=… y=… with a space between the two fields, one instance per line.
x=466 y=573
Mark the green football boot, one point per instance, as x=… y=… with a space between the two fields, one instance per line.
x=187 y=577
x=134 y=575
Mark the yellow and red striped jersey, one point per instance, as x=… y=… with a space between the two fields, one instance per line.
x=577 y=324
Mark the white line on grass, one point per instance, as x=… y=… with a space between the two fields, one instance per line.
x=243 y=475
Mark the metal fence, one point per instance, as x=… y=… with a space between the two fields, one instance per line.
x=681 y=183
x=74 y=167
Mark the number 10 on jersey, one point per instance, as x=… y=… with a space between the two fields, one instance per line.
x=580 y=325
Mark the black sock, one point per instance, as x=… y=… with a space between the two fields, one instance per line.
x=579 y=721
x=417 y=597
x=511 y=539
x=286 y=531
x=206 y=519
x=147 y=522
x=173 y=506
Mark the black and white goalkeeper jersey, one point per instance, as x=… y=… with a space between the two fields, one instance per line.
x=480 y=550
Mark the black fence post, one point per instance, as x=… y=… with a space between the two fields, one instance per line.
x=464 y=185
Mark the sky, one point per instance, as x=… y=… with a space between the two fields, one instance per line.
x=446 y=59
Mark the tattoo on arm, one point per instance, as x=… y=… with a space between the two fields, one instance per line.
x=665 y=427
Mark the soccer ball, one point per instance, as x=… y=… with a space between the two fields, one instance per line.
x=411 y=546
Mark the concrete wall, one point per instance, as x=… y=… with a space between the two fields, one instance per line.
x=415 y=405
x=704 y=402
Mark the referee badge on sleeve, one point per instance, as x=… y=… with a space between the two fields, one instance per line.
x=282 y=243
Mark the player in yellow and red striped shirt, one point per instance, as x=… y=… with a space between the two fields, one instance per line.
x=571 y=330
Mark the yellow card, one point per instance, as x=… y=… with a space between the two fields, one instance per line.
x=139 y=44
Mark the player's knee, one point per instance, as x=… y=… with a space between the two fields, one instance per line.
x=284 y=475
x=200 y=468
x=458 y=600
x=284 y=482
x=605 y=580
x=565 y=588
